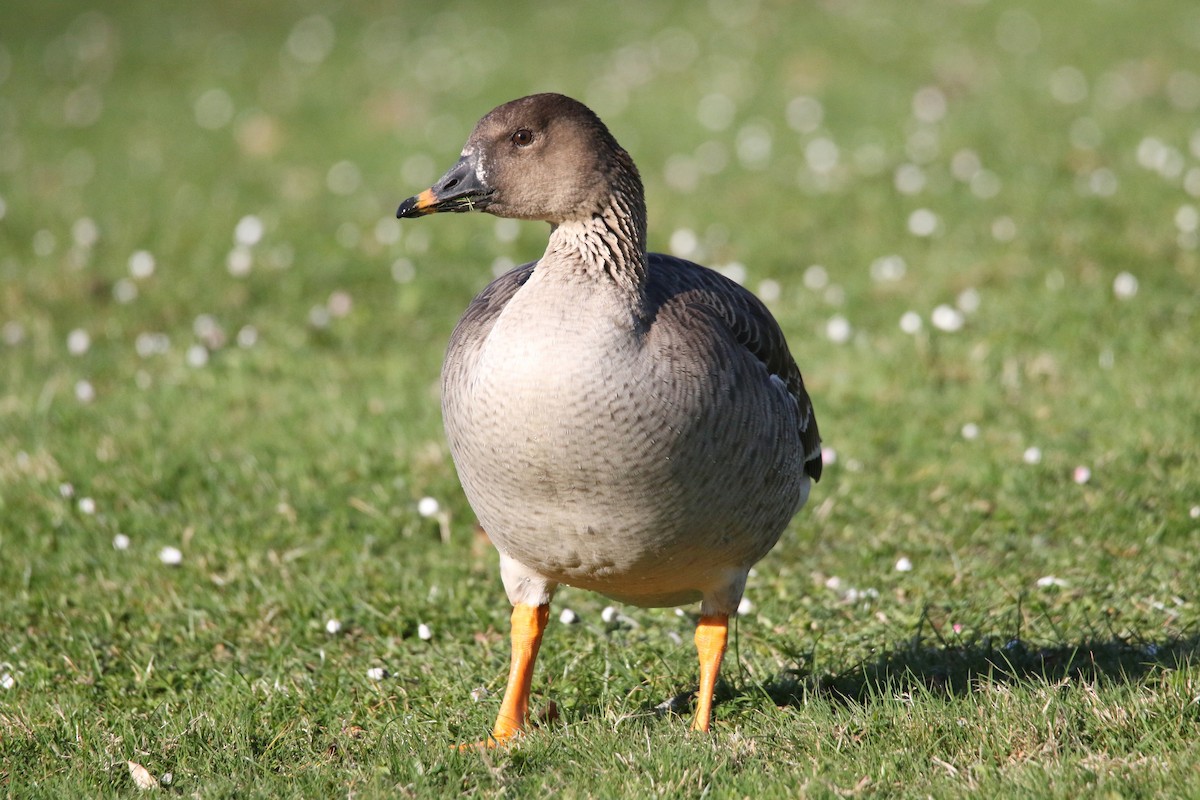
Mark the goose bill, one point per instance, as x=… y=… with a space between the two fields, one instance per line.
x=459 y=190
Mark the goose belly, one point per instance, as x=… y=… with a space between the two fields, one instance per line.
x=588 y=466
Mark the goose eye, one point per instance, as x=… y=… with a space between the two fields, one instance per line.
x=523 y=137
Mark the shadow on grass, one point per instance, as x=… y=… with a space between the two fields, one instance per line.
x=930 y=663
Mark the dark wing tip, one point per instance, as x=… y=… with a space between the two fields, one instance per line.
x=812 y=467
x=810 y=436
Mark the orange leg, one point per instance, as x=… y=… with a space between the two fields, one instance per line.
x=528 y=625
x=711 y=636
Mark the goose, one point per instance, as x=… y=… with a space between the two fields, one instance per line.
x=621 y=421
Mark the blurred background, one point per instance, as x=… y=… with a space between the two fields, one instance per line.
x=947 y=204
x=160 y=163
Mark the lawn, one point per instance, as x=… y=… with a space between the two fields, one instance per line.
x=233 y=549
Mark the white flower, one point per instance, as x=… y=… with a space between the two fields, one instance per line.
x=428 y=507
x=888 y=269
x=816 y=277
x=249 y=231
x=141 y=264
x=339 y=304
x=1125 y=285
x=239 y=262
x=683 y=243
x=922 y=222
x=125 y=291
x=838 y=329
x=197 y=356
x=947 y=318
x=968 y=300
x=78 y=342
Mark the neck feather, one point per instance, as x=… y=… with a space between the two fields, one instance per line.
x=611 y=244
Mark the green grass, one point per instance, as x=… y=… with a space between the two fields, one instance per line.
x=288 y=472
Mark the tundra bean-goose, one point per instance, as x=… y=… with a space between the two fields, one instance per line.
x=621 y=421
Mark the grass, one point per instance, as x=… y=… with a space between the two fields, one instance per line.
x=1044 y=642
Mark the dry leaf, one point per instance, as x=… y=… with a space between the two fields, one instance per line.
x=141 y=776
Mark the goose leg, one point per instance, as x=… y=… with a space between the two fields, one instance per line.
x=528 y=625
x=711 y=635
